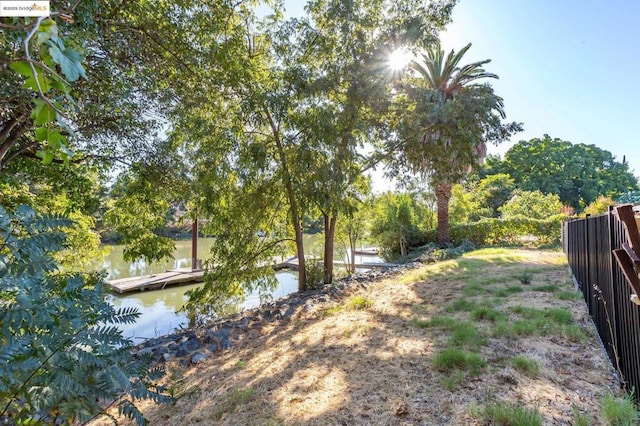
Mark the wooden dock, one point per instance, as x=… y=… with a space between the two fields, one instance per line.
x=292 y=263
x=187 y=276
x=156 y=281
x=367 y=252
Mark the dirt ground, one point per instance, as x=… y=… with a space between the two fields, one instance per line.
x=370 y=357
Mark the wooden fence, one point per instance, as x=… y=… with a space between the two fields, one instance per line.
x=588 y=244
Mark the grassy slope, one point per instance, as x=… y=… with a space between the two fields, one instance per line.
x=437 y=345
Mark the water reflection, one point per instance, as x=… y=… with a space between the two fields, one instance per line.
x=160 y=309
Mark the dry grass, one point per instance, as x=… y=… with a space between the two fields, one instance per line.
x=367 y=360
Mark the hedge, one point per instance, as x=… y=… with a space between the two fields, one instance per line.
x=507 y=231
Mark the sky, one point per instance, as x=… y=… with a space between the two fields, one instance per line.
x=567 y=68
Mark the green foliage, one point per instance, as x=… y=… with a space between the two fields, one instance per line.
x=60 y=349
x=432 y=252
x=526 y=365
x=577 y=173
x=463 y=206
x=507 y=231
x=503 y=414
x=494 y=191
x=599 y=206
x=630 y=197
x=532 y=204
x=395 y=223
x=314 y=271
x=619 y=411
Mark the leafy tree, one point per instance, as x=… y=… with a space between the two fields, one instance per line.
x=60 y=350
x=629 y=197
x=532 y=204
x=493 y=191
x=599 y=206
x=445 y=122
x=351 y=229
x=463 y=207
x=395 y=223
x=577 y=173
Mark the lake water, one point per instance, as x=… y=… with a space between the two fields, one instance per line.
x=160 y=309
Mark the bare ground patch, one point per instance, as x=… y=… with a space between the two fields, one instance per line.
x=374 y=359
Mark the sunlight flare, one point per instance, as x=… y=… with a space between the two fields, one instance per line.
x=399 y=59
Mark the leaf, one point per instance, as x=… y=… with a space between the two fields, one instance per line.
x=42 y=134
x=46 y=29
x=69 y=60
x=43 y=113
x=22 y=68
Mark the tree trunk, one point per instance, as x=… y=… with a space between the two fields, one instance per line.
x=443 y=195
x=302 y=272
x=329 y=239
x=352 y=246
x=293 y=202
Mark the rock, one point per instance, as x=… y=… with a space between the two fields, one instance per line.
x=243 y=323
x=166 y=357
x=172 y=346
x=220 y=338
x=288 y=312
x=267 y=315
x=162 y=350
x=187 y=347
x=213 y=347
x=198 y=357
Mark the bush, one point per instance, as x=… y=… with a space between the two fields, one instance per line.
x=60 y=351
x=507 y=231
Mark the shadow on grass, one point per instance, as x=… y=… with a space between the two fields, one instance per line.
x=370 y=365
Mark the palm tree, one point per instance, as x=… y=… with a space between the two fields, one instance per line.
x=445 y=80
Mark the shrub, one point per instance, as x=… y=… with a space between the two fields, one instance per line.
x=507 y=230
x=60 y=350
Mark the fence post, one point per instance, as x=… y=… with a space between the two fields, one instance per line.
x=587 y=260
x=613 y=310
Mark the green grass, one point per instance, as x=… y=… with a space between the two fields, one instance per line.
x=526 y=366
x=556 y=315
x=452 y=381
x=461 y=305
x=435 y=322
x=465 y=334
x=503 y=414
x=619 y=411
x=234 y=400
x=525 y=277
x=568 y=295
x=451 y=359
x=358 y=303
x=508 y=291
x=488 y=314
x=580 y=419
x=473 y=289
x=461 y=333
x=548 y=288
